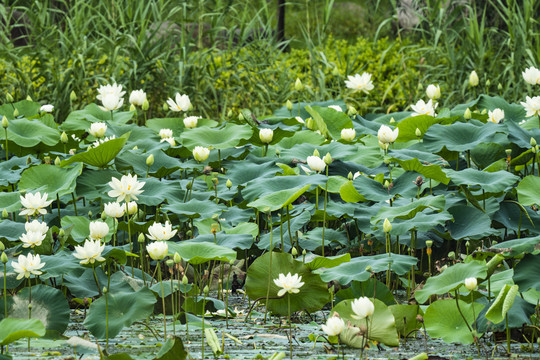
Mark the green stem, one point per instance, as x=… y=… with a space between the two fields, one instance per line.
x=202 y=337
x=173 y=302
x=269 y=266
x=29 y=306
x=58 y=207
x=107 y=317
x=162 y=301
x=96 y=279
x=289 y=227
x=74 y=203
x=5 y=291
x=129 y=238
x=7 y=151
x=324 y=209
x=463 y=316
x=507 y=335
x=290 y=323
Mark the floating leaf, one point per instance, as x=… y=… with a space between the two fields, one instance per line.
x=12 y=329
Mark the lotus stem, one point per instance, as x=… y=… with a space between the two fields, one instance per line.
x=107 y=317
x=227 y=297
x=173 y=304
x=290 y=323
x=324 y=209
x=269 y=266
x=96 y=279
x=129 y=239
x=74 y=203
x=463 y=316
x=202 y=333
x=5 y=291
x=29 y=306
x=508 y=338
x=281 y=230
x=58 y=207
x=162 y=301
x=289 y=227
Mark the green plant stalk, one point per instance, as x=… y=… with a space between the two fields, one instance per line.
x=107 y=318
x=5 y=291
x=227 y=298
x=58 y=207
x=289 y=227
x=215 y=191
x=162 y=301
x=173 y=302
x=29 y=306
x=74 y=203
x=96 y=279
x=7 y=151
x=460 y=313
x=290 y=323
x=265 y=150
x=507 y=334
x=129 y=239
x=269 y=267
x=324 y=209
x=202 y=332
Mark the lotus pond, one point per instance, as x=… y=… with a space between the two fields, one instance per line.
x=313 y=232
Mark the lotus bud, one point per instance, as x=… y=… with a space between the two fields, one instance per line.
x=29 y=98
x=277 y=152
x=386 y=160
x=369 y=268
x=177 y=258
x=471 y=283
x=327 y=158
x=105 y=290
x=499 y=87
x=103 y=216
x=468 y=244
x=140 y=238
x=508 y=152
x=309 y=123
x=4 y=257
x=289 y=105
x=229 y=113
x=266 y=135
x=61 y=233
x=298 y=86
x=488 y=83
x=533 y=142
x=165 y=107
x=215 y=181
x=351 y=110
x=30 y=306
x=5 y=122
x=386 y=184
x=228 y=183
x=316 y=153
x=2 y=246
x=189 y=234
x=132 y=108
x=350 y=176
x=304 y=252
x=47 y=159
x=452 y=255
x=145 y=105
x=72 y=96
x=483 y=112
x=64 y=138
x=294 y=252
x=418 y=133
x=150 y=160
x=184 y=280
x=241 y=116
x=5 y=214
x=494 y=242
x=429 y=243
x=135 y=147
x=90 y=215
x=467 y=115
x=9 y=98
x=57 y=161
x=16 y=112
x=392 y=120
x=387 y=227
x=420 y=87
x=169 y=263
x=206 y=290
x=335 y=71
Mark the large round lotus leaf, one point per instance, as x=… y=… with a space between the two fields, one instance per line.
x=49 y=305
x=356 y=268
x=195 y=208
x=301 y=137
x=300 y=152
x=265 y=186
x=526 y=273
x=407 y=127
x=428 y=171
x=176 y=124
x=11 y=275
x=135 y=161
x=451 y=279
x=11 y=169
x=50 y=179
x=329 y=121
x=491 y=182
x=527 y=190
x=243 y=171
x=374 y=190
x=299 y=108
x=93 y=184
x=296 y=224
x=223 y=137
x=28 y=133
x=422 y=222
x=518 y=315
x=459 y=136
x=278 y=199
x=61 y=263
x=198 y=253
x=26 y=108
x=381 y=325
x=231 y=241
x=406 y=318
x=124 y=309
x=314 y=262
x=313 y=294
x=11 y=201
x=514 y=247
x=81 y=227
x=156 y=191
x=409 y=210
x=99 y=156
x=82 y=119
x=469 y=222
x=512 y=112
x=484 y=155
x=442 y=320
x=12 y=329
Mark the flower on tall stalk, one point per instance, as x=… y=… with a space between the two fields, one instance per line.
x=266 y=135
x=48 y=108
x=111 y=102
x=348 y=134
x=132 y=208
x=98 y=230
x=316 y=163
x=36 y=226
x=165 y=133
x=126 y=188
x=496 y=115
x=387 y=135
x=531 y=75
x=114 y=209
x=157 y=250
x=113 y=89
x=28 y=265
x=471 y=283
x=433 y=91
x=424 y=108
x=158 y=231
x=532 y=106
x=137 y=97
x=90 y=252
x=362 y=308
x=473 y=79
x=98 y=129
x=31 y=239
x=182 y=103
x=359 y=82
x=34 y=204
x=201 y=153
x=334 y=325
x=190 y=122
x=288 y=283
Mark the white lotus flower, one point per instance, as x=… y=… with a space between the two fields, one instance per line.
x=532 y=106
x=348 y=134
x=170 y=140
x=157 y=250
x=27 y=265
x=34 y=204
x=360 y=82
x=98 y=129
x=266 y=135
x=423 y=108
x=496 y=115
x=362 y=308
x=386 y=135
x=531 y=75
x=48 y=108
x=190 y=122
x=111 y=102
x=201 y=153
x=32 y=239
x=110 y=89
x=137 y=97
x=36 y=226
x=471 y=283
x=160 y=232
x=98 y=230
x=334 y=326
x=90 y=252
x=335 y=107
x=126 y=188
x=316 y=163
x=182 y=103
x=288 y=283
x=433 y=92
x=132 y=207
x=165 y=133
x=114 y=209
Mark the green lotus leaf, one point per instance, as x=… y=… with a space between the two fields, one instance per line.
x=124 y=308
x=382 y=326
x=423 y=222
x=223 y=137
x=278 y=199
x=80 y=120
x=406 y=318
x=313 y=294
x=81 y=227
x=173 y=349
x=200 y=252
x=195 y=208
x=11 y=230
x=512 y=112
x=296 y=224
x=504 y=301
x=518 y=315
x=11 y=201
x=526 y=273
x=12 y=329
x=314 y=262
x=348 y=193
x=375 y=191
x=429 y=171
x=11 y=169
x=459 y=136
x=469 y=222
x=334 y=121
x=484 y=155
x=176 y=124
x=491 y=182
x=451 y=279
x=135 y=160
x=242 y=172
x=527 y=190
x=101 y=155
x=26 y=108
x=28 y=133
x=407 y=127
x=301 y=152
x=156 y=191
x=301 y=137
x=356 y=268
x=511 y=248
x=410 y=210
x=61 y=263
x=266 y=186
x=369 y=288
x=50 y=179
x=442 y=320
x=231 y=241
